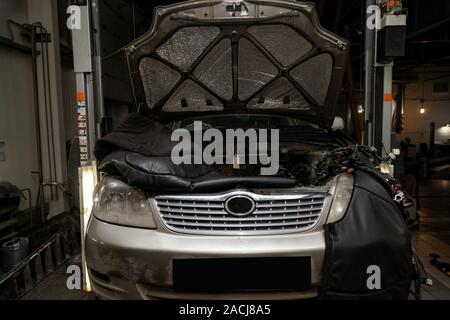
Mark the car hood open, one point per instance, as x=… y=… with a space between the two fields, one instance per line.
x=253 y=56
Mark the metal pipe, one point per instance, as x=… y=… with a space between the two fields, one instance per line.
x=36 y=104
x=40 y=195
x=369 y=40
x=50 y=108
x=98 y=72
x=39 y=25
x=387 y=111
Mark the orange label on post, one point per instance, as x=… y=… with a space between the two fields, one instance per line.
x=388 y=97
x=391 y=3
x=80 y=96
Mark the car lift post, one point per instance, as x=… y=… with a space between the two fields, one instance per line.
x=382 y=44
x=87 y=64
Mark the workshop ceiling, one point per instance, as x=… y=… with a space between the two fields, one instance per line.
x=428 y=31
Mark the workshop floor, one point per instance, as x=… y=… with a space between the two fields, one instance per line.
x=433 y=236
x=54 y=287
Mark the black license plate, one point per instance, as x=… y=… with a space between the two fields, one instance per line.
x=242 y=274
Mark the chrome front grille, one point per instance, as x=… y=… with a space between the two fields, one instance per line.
x=273 y=214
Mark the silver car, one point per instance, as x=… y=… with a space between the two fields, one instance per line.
x=315 y=228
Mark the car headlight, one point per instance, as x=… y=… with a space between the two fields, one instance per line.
x=118 y=203
x=342 y=193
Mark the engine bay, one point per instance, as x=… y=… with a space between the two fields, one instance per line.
x=296 y=161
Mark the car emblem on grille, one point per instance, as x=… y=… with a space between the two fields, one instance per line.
x=240 y=206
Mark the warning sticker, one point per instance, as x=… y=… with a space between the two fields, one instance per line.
x=82 y=126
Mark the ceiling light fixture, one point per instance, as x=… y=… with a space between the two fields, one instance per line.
x=422 y=107
x=360 y=109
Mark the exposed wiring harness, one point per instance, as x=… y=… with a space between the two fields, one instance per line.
x=349 y=158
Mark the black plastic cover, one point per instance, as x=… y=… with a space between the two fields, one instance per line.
x=153 y=173
x=373 y=232
x=137 y=134
x=139 y=150
x=160 y=174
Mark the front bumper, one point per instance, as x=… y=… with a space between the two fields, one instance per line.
x=133 y=263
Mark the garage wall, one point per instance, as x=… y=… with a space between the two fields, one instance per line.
x=17 y=128
x=16 y=10
x=17 y=114
x=437 y=109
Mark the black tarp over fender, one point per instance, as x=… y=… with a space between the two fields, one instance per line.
x=373 y=232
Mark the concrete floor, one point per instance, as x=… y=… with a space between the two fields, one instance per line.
x=54 y=286
x=433 y=236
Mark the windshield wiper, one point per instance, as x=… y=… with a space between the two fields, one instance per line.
x=327 y=143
